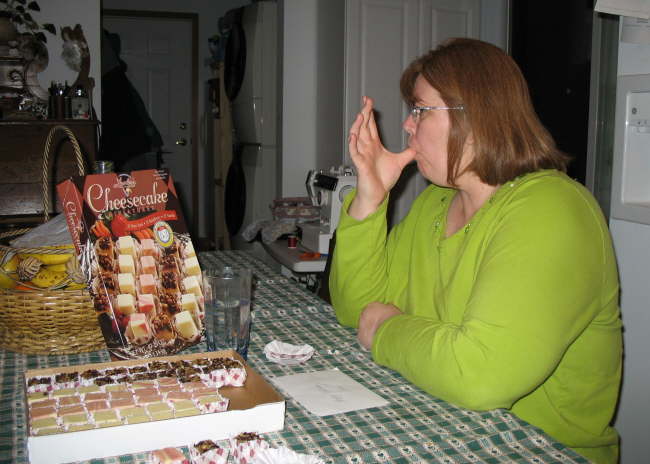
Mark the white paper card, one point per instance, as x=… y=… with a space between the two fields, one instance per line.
x=328 y=392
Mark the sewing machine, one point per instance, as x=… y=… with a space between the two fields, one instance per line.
x=327 y=190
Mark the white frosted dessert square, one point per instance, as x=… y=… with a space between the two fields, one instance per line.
x=185 y=325
x=189 y=303
x=126 y=264
x=126 y=282
x=192 y=267
x=191 y=285
x=126 y=245
x=125 y=303
x=188 y=250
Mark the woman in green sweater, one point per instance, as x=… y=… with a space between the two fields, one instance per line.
x=499 y=289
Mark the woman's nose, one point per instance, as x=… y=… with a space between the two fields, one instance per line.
x=409 y=125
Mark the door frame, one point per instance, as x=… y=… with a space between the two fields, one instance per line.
x=193 y=19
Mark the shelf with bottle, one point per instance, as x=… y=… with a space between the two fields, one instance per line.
x=67 y=102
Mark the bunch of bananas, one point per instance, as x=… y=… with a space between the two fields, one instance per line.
x=41 y=270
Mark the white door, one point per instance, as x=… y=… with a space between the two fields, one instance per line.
x=158 y=53
x=382 y=38
x=441 y=19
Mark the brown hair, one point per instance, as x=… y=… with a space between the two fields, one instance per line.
x=508 y=138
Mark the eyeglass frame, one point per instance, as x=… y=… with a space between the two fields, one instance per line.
x=416 y=111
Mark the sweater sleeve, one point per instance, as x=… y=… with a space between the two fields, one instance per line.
x=359 y=270
x=534 y=288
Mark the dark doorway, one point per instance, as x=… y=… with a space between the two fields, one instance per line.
x=551 y=43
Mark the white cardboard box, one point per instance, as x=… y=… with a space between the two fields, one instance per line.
x=255 y=407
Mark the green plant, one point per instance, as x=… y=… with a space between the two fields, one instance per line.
x=19 y=13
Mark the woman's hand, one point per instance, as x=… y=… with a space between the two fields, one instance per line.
x=377 y=168
x=372 y=317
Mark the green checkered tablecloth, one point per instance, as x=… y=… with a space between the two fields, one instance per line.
x=414 y=427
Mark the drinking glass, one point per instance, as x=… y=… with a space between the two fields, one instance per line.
x=228 y=309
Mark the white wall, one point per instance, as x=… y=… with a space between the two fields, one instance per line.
x=298 y=93
x=63 y=13
x=312 y=89
x=632 y=244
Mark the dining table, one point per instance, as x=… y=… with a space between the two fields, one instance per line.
x=413 y=427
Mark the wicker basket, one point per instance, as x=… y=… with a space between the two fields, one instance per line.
x=48 y=321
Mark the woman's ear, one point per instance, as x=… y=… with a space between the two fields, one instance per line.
x=469 y=141
x=468 y=147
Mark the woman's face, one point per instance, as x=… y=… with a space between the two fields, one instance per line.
x=429 y=133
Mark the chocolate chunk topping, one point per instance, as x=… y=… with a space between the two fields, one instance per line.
x=39 y=381
x=202 y=362
x=170 y=280
x=90 y=374
x=123 y=379
x=102 y=381
x=158 y=365
x=145 y=376
x=105 y=262
x=225 y=363
x=205 y=446
x=171 y=249
x=137 y=369
x=108 y=282
x=187 y=371
x=67 y=377
x=179 y=364
x=247 y=436
x=105 y=243
x=101 y=302
x=162 y=322
x=168 y=261
x=189 y=378
x=171 y=302
x=170 y=373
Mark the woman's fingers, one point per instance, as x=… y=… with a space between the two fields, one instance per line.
x=363 y=140
x=356 y=125
x=352 y=146
x=372 y=126
x=366 y=110
x=356 y=155
x=369 y=125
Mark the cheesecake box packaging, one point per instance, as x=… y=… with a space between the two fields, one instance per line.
x=136 y=255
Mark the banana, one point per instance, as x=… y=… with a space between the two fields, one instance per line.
x=7 y=282
x=12 y=264
x=7 y=277
x=47 y=259
x=52 y=274
x=57 y=267
x=47 y=278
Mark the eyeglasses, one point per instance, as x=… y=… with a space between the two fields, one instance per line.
x=417 y=111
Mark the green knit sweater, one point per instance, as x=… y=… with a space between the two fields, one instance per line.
x=517 y=310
